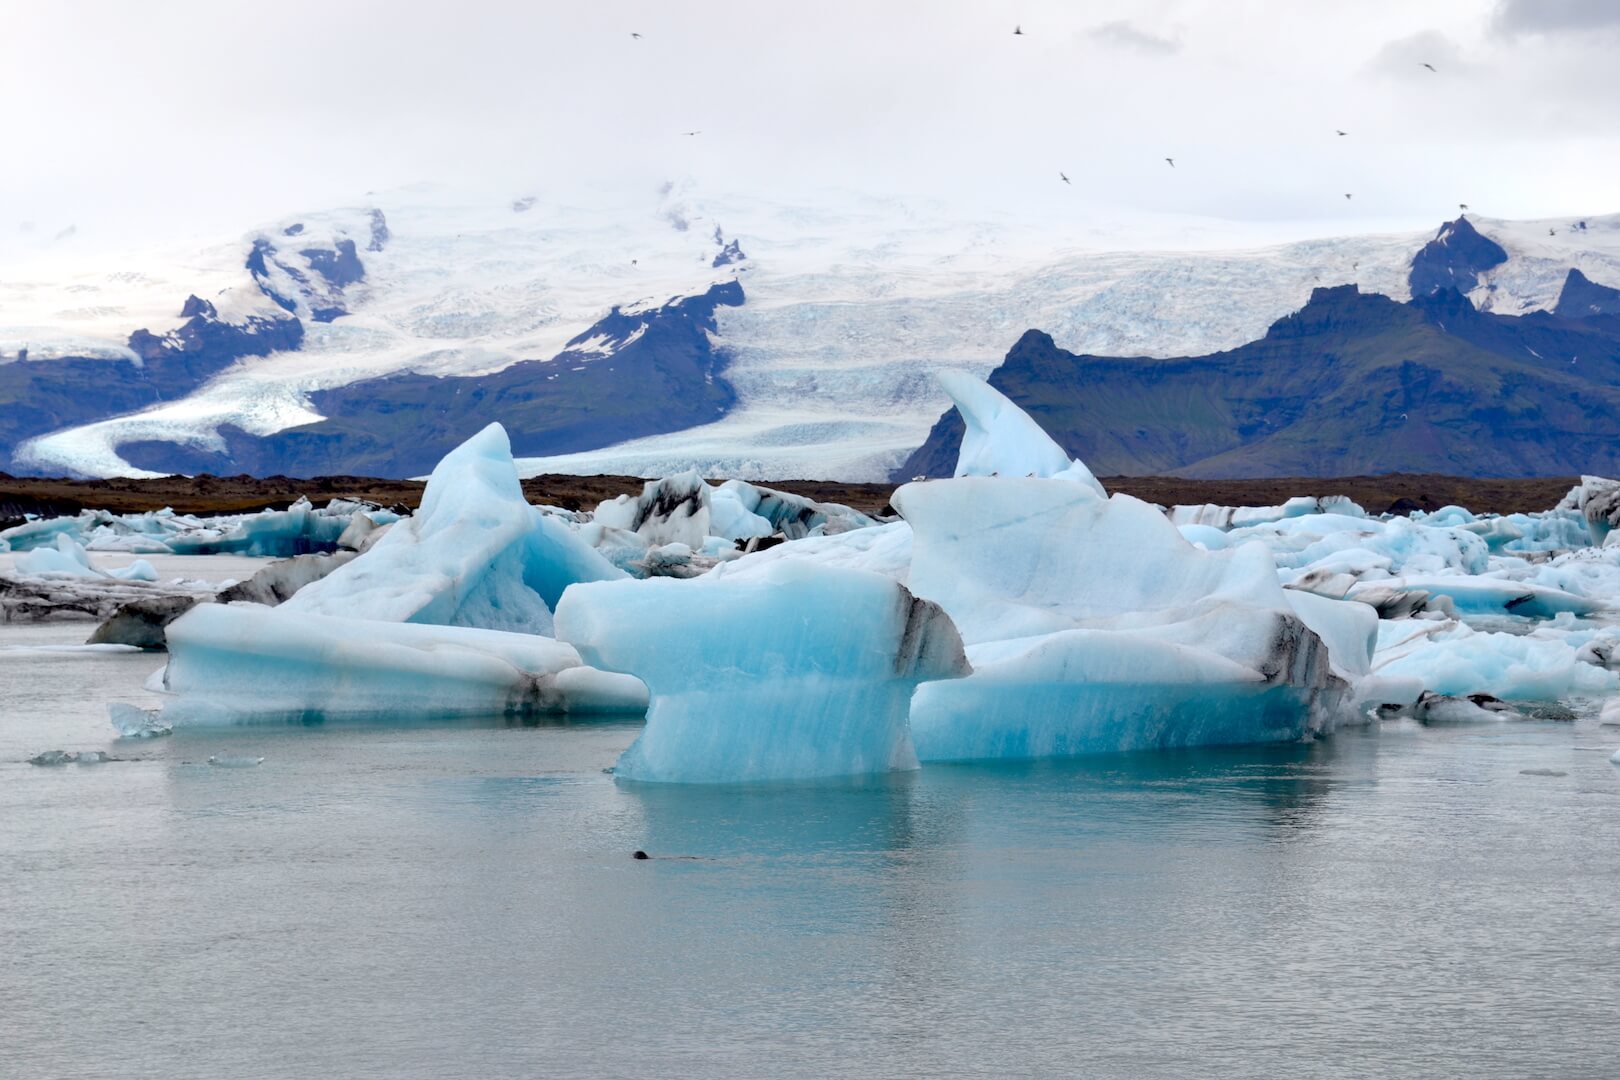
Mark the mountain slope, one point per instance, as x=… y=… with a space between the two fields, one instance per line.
x=827 y=370
x=1351 y=383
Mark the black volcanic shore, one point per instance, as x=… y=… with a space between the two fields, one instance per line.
x=1398 y=492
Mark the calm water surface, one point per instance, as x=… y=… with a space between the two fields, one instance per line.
x=459 y=900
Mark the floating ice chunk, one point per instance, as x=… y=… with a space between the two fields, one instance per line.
x=1093 y=626
x=275 y=583
x=1472 y=709
x=674 y=510
x=1223 y=518
x=235 y=761
x=139 y=570
x=63 y=558
x=241 y=661
x=68 y=757
x=882 y=549
x=476 y=554
x=1207 y=537
x=731 y=514
x=787 y=670
x=1475 y=594
x=1453 y=659
x=1598 y=500
x=1001 y=440
x=753 y=509
x=135 y=723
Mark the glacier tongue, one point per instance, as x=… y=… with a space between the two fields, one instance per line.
x=789 y=671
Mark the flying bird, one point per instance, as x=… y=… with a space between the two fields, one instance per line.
x=1064 y=177
x=1462 y=206
x=1018 y=31
x=1552 y=232
x=1347 y=194
x=1171 y=161
x=635 y=35
x=1341 y=132
x=1432 y=68
x=691 y=133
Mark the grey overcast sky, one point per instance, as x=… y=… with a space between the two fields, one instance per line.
x=181 y=117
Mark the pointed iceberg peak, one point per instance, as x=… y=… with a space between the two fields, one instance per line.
x=1003 y=440
x=485 y=458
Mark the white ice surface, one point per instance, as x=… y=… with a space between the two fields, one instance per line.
x=852 y=304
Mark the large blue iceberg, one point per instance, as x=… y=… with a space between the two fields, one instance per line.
x=449 y=612
x=791 y=671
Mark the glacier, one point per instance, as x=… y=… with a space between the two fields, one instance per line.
x=854 y=301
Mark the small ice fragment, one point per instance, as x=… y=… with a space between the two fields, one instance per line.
x=1542 y=772
x=134 y=723
x=53 y=757
x=234 y=761
x=94 y=757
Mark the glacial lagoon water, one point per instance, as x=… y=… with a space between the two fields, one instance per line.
x=459 y=899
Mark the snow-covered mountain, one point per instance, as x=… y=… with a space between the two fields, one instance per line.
x=425 y=312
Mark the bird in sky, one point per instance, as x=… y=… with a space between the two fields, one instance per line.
x=1462 y=206
x=635 y=35
x=1018 y=31
x=1171 y=161
x=1432 y=68
x=1552 y=232
x=1347 y=194
x=691 y=133
x=1064 y=177
x=1341 y=132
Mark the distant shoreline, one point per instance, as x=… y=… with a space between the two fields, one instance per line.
x=1400 y=492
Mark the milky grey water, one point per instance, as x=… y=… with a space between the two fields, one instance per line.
x=459 y=900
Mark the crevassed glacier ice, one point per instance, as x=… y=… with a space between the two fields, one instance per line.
x=792 y=670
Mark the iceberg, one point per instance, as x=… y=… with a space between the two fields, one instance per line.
x=1001 y=440
x=673 y=510
x=475 y=554
x=236 y=662
x=445 y=614
x=132 y=722
x=1093 y=626
x=65 y=557
x=298 y=530
x=1453 y=659
x=788 y=671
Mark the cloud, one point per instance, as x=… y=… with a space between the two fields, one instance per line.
x=1133 y=37
x=1514 y=17
x=1405 y=57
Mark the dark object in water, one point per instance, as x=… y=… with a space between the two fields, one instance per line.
x=641 y=855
